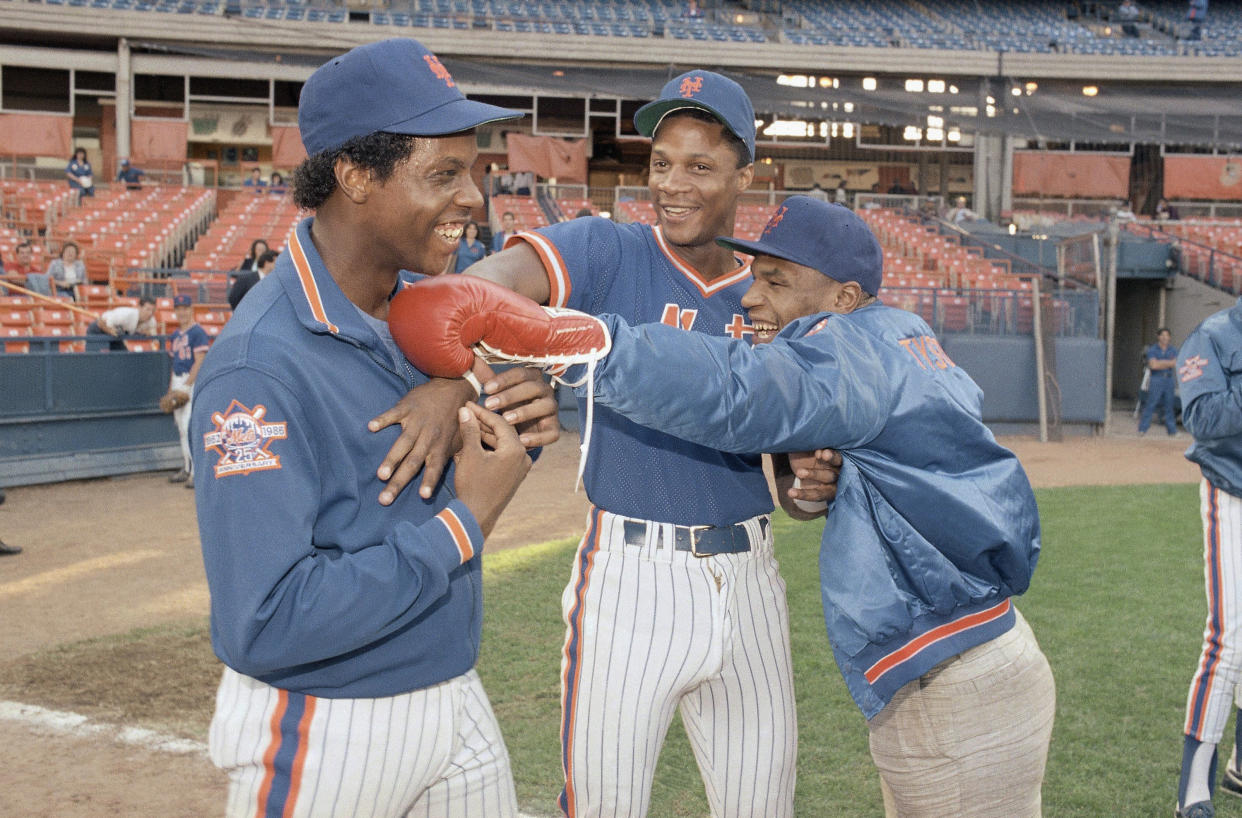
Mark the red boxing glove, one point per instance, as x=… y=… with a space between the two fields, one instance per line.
x=438 y=323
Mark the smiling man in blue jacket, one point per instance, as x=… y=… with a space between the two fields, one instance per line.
x=934 y=527
x=348 y=615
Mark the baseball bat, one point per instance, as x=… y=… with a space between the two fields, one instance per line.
x=50 y=300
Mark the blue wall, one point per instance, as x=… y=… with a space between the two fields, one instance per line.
x=65 y=417
x=1004 y=367
x=83 y=415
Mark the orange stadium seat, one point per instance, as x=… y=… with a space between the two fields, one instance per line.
x=8 y=333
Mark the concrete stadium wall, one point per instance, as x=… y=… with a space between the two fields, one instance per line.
x=67 y=417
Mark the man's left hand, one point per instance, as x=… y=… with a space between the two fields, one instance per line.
x=526 y=401
x=428 y=419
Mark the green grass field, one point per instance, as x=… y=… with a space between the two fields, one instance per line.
x=1117 y=604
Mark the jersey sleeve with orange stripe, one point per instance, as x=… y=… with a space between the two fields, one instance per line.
x=580 y=256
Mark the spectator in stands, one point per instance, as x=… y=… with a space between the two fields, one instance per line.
x=841 y=196
x=1124 y=213
x=583 y=212
x=277 y=184
x=79 y=174
x=67 y=271
x=817 y=192
x=24 y=267
x=187 y=347
x=1162 y=364
x=469 y=249
x=961 y=214
x=1196 y=13
x=255 y=181
x=507 y=229
x=251 y=262
x=119 y=322
x=1166 y=212
x=130 y=175
x=524 y=183
x=1128 y=15
x=7 y=550
x=247 y=279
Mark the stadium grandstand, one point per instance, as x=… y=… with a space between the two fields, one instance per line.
x=1050 y=181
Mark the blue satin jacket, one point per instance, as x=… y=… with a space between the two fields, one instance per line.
x=934 y=526
x=1210 y=371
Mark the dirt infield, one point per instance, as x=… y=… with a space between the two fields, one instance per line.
x=103 y=557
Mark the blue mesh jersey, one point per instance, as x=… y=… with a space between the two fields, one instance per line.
x=597 y=266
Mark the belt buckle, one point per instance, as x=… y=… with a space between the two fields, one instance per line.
x=694 y=540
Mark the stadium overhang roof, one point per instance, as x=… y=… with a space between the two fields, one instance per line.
x=1183 y=114
x=1207 y=115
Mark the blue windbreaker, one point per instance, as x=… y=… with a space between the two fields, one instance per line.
x=1210 y=371
x=315 y=587
x=934 y=526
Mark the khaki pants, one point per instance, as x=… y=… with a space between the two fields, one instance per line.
x=970 y=737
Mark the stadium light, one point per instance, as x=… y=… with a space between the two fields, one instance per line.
x=1090 y=90
x=954 y=135
x=935 y=121
x=1031 y=88
x=868 y=83
x=848 y=107
x=912 y=134
x=847 y=130
x=952 y=89
x=1016 y=91
x=914 y=86
x=935 y=134
x=790 y=127
x=829 y=82
x=935 y=86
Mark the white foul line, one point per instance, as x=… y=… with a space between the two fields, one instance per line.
x=77 y=725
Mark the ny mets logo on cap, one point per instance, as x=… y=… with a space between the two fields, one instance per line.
x=437 y=68
x=775 y=220
x=1192 y=368
x=691 y=86
x=242 y=439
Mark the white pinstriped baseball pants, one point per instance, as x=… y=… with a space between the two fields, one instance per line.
x=650 y=629
x=431 y=753
x=181 y=416
x=1210 y=701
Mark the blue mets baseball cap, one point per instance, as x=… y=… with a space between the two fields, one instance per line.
x=393 y=86
x=182 y=301
x=824 y=236
x=719 y=96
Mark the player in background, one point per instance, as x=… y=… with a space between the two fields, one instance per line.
x=1209 y=369
x=187 y=347
x=675 y=599
x=350 y=628
x=1161 y=361
x=934 y=528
